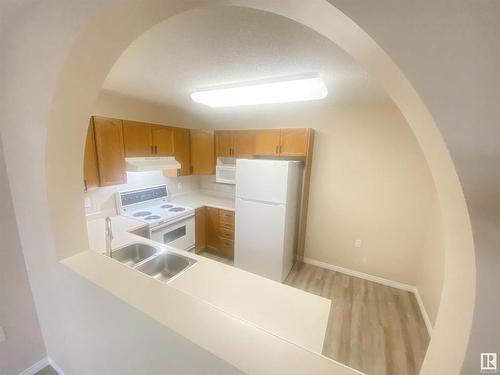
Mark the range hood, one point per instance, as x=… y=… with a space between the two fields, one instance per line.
x=146 y=164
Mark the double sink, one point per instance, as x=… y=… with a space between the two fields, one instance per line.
x=160 y=264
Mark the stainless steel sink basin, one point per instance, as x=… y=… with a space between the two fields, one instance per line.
x=134 y=253
x=165 y=266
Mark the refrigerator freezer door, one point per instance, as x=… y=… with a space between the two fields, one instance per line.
x=262 y=180
x=259 y=238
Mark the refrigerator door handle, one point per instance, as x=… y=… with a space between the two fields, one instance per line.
x=262 y=202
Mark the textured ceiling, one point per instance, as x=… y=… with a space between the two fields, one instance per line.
x=217 y=45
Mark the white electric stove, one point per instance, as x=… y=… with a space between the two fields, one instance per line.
x=168 y=223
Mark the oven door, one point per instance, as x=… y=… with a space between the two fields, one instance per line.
x=179 y=234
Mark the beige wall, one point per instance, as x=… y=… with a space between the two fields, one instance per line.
x=129 y=108
x=24 y=345
x=369 y=181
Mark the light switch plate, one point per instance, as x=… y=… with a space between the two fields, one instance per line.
x=3 y=335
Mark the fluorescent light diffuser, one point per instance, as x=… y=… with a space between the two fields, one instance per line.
x=281 y=90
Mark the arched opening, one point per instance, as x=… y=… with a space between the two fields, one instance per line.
x=72 y=108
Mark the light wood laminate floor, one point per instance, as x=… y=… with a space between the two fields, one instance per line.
x=372 y=327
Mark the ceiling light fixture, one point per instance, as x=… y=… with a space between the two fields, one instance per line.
x=297 y=88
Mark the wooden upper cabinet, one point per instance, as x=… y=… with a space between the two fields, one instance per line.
x=267 y=142
x=223 y=143
x=202 y=152
x=110 y=151
x=162 y=140
x=90 y=169
x=137 y=139
x=243 y=143
x=182 y=150
x=294 y=142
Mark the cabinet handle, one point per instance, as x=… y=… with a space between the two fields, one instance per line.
x=152 y=150
x=156 y=150
x=85 y=183
x=277 y=149
x=280 y=149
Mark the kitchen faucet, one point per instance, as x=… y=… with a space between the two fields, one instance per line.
x=108 y=231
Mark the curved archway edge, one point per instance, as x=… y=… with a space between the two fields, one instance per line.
x=109 y=34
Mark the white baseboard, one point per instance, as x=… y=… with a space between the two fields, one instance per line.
x=379 y=280
x=361 y=275
x=34 y=368
x=41 y=364
x=56 y=367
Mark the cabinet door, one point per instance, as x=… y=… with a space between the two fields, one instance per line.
x=243 y=143
x=200 y=229
x=267 y=142
x=162 y=140
x=110 y=152
x=212 y=227
x=90 y=170
x=202 y=152
x=294 y=142
x=223 y=143
x=226 y=248
x=137 y=139
x=182 y=150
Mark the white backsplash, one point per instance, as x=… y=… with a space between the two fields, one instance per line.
x=103 y=199
x=208 y=183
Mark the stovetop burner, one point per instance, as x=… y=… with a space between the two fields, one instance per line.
x=152 y=217
x=177 y=209
x=167 y=206
x=141 y=213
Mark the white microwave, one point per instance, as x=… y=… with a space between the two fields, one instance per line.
x=225 y=174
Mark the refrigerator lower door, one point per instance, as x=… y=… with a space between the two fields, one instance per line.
x=259 y=238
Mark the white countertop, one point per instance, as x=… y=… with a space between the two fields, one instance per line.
x=286 y=312
x=205 y=198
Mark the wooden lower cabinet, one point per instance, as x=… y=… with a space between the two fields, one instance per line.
x=215 y=231
x=200 y=223
x=212 y=228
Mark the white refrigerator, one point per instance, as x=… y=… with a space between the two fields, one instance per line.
x=267 y=209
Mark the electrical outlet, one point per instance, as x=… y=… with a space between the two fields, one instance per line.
x=3 y=335
x=179 y=186
x=358 y=243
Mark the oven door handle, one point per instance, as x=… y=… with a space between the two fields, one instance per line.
x=161 y=226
